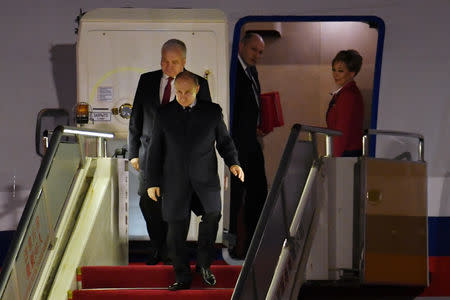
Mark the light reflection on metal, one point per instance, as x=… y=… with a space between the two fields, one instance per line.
x=329 y=146
x=92 y=133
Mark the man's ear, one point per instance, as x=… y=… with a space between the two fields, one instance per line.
x=197 y=89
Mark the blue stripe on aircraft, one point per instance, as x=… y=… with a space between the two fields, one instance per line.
x=5 y=240
x=439 y=236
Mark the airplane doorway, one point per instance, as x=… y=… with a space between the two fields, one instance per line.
x=297 y=64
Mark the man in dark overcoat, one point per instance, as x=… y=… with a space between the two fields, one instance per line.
x=183 y=161
x=154 y=89
x=246 y=119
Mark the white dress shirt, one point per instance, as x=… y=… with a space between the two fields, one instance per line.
x=162 y=86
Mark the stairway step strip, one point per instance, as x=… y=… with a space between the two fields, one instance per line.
x=150 y=277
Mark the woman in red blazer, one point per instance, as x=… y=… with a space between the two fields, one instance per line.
x=346 y=110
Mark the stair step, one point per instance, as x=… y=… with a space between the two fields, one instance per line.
x=154 y=294
x=158 y=276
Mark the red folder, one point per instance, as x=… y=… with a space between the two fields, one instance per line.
x=271 y=113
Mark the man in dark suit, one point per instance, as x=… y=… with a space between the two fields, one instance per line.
x=182 y=162
x=245 y=132
x=155 y=89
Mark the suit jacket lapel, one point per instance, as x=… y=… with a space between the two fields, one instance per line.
x=249 y=82
x=254 y=74
x=155 y=86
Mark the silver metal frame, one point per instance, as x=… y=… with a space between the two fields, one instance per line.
x=329 y=133
x=247 y=273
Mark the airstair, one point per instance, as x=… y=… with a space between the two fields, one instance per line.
x=72 y=240
x=334 y=222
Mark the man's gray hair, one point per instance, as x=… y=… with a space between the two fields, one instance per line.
x=174 y=44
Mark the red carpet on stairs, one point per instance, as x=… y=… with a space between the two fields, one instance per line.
x=151 y=282
x=159 y=276
x=153 y=294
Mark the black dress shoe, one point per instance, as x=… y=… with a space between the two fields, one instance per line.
x=207 y=275
x=179 y=285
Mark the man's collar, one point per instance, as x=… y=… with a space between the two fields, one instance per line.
x=191 y=106
x=165 y=76
x=243 y=64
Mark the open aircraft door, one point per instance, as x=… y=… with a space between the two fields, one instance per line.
x=116 y=45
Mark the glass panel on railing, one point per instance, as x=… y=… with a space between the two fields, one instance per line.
x=60 y=177
x=39 y=232
x=397 y=147
x=91 y=146
x=45 y=205
x=10 y=292
x=33 y=249
x=272 y=240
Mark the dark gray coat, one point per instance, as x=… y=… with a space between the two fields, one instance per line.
x=182 y=157
x=245 y=115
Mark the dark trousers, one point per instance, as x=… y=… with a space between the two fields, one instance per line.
x=178 y=251
x=251 y=193
x=156 y=226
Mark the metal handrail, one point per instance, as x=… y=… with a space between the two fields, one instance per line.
x=420 y=150
x=48 y=112
x=329 y=133
x=35 y=193
x=273 y=195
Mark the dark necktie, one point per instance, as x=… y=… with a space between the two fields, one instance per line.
x=253 y=75
x=167 y=89
x=187 y=109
